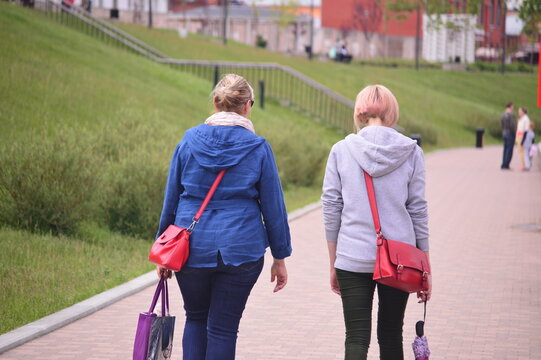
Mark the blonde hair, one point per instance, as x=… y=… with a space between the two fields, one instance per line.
x=375 y=101
x=231 y=93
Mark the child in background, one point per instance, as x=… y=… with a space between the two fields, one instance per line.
x=528 y=143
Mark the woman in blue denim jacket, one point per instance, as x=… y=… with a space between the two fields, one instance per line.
x=245 y=216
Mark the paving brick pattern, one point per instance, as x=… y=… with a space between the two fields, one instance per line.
x=486 y=302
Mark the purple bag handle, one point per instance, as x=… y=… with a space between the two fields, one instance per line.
x=159 y=289
x=162 y=288
x=165 y=298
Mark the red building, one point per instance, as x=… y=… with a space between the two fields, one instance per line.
x=366 y=15
x=183 y=5
x=385 y=33
x=491 y=20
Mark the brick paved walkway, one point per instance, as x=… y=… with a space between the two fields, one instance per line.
x=486 y=302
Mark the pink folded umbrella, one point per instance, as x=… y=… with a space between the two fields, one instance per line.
x=420 y=344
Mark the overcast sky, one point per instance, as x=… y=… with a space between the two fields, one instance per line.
x=277 y=2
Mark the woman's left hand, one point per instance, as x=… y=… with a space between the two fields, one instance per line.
x=279 y=273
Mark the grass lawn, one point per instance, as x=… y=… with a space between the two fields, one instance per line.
x=42 y=274
x=129 y=113
x=449 y=104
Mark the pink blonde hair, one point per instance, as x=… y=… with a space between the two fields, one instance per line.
x=375 y=101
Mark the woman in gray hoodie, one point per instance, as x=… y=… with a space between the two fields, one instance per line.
x=396 y=165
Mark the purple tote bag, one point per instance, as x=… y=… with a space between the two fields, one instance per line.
x=146 y=319
x=160 y=342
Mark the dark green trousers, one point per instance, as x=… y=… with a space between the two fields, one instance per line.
x=357 y=297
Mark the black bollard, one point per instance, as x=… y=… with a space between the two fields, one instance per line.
x=417 y=138
x=216 y=75
x=262 y=94
x=479 y=134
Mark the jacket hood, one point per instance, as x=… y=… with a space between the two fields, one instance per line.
x=220 y=147
x=379 y=149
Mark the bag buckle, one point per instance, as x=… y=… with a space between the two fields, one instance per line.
x=380 y=238
x=192 y=225
x=399 y=268
x=425 y=276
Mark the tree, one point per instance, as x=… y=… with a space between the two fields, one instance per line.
x=138 y=7
x=149 y=14
x=287 y=16
x=530 y=10
x=530 y=13
x=224 y=22
x=367 y=17
x=255 y=23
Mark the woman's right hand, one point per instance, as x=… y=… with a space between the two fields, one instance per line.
x=424 y=296
x=334 y=283
x=279 y=274
x=163 y=272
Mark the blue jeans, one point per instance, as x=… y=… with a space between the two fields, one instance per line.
x=508 y=144
x=214 y=300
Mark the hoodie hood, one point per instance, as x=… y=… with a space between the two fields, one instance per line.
x=220 y=147
x=379 y=149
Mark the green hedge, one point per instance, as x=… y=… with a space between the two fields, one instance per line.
x=497 y=67
x=47 y=184
x=116 y=177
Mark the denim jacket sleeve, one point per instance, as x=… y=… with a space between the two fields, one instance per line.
x=173 y=189
x=273 y=207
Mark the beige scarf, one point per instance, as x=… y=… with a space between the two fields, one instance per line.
x=230 y=119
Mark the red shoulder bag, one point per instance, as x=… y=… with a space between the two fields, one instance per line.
x=172 y=248
x=398 y=264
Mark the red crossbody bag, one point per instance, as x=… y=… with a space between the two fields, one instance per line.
x=172 y=248
x=398 y=264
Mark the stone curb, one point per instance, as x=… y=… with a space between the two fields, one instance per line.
x=294 y=215
x=89 y=306
x=75 y=312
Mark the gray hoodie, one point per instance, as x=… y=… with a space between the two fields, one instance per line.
x=397 y=166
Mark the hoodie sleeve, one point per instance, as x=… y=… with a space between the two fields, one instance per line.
x=273 y=207
x=416 y=203
x=173 y=189
x=332 y=198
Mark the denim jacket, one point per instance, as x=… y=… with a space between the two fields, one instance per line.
x=247 y=212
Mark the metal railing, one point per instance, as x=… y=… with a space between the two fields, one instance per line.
x=118 y=32
x=80 y=19
x=282 y=83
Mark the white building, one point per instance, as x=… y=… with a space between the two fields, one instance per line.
x=132 y=11
x=245 y=24
x=443 y=43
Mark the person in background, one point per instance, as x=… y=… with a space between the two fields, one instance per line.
x=332 y=53
x=523 y=125
x=396 y=164
x=246 y=215
x=344 y=50
x=528 y=142
x=508 y=135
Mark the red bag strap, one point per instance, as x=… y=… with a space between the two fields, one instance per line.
x=372 y=199
x=208 y=197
